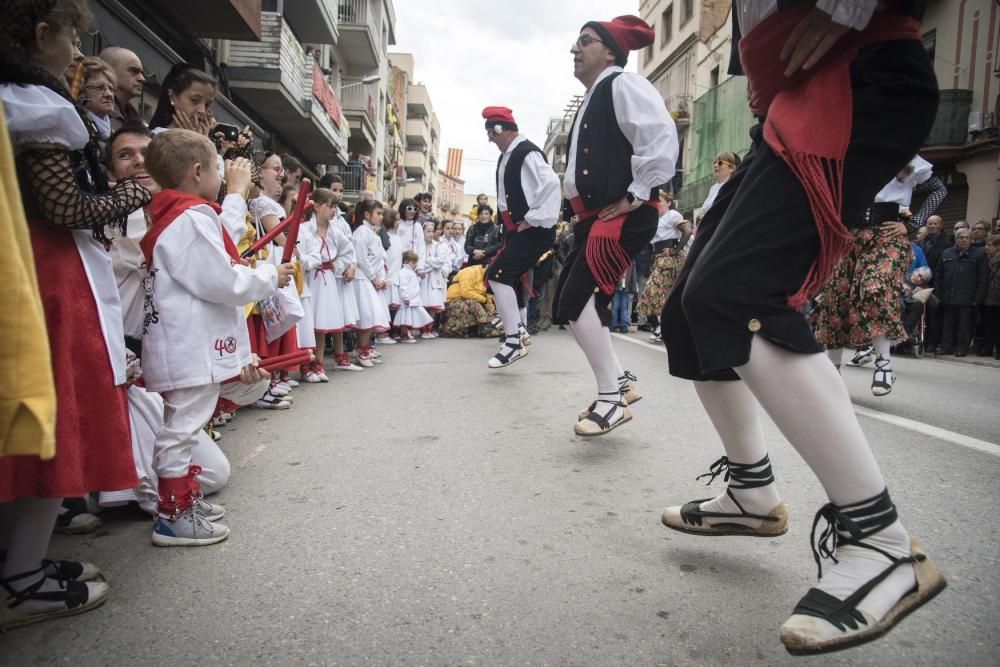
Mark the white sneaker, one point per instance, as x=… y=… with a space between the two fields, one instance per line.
x=429 y=335
x=864 y=356
x=408 y=339
x=525 y=336
x=365 y=362
x=385 y=341
x=348 y=367
x=291 y=383
x=278 y=390
x=271 y=402
x=190 y=529
x=375 y=354
x=312 y=377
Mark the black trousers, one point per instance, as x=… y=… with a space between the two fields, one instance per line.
x=991 y=330
x=576 y=282
x=756 y=244
x=957 y=332
x=935 y=323
x=519 y=253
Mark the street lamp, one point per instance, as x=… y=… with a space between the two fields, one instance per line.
x=371 y=78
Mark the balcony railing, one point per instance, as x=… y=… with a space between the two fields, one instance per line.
x=951 y=125
x=358 y=97
x=303 y=100
x=355 y=177
x=360 y=32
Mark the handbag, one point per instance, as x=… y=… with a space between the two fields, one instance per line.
x=280 y=312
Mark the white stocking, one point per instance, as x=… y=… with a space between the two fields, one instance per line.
x=523 y=314
x=595 y=340
x=736 y=418
x=506 y=302
x=881 y=346
x=807 y=400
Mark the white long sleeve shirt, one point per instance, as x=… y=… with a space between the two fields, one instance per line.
x=409 y=287
x=314 y=250
x=540 y=184
x=196 y=333
x=643 y=119
x=370 y=253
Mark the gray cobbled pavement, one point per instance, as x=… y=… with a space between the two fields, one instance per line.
x=430 y=511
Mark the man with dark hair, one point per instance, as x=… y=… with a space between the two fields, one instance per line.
x=528 y=206
x=328 y=179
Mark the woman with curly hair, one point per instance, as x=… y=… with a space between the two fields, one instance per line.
x=68 y=204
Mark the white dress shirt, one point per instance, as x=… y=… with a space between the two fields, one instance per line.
x=643 y=119
x=540 y=184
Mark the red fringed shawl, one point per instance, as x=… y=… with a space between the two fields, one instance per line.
x=604 y=253
x=808 y=120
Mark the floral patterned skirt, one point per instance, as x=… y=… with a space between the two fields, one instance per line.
x=461 y=314
x=662 y=275
x=862 y=298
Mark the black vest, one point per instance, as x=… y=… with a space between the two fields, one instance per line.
x=517 y=203
x=914 y=8
x=604 y=154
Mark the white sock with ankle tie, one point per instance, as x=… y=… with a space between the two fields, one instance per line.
x=595 y=340
x=809 y=403
x=735 y=415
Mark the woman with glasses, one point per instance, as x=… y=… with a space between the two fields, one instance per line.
x=722 y=168
x=98 y=93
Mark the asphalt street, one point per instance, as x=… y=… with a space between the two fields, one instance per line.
x=432 y=512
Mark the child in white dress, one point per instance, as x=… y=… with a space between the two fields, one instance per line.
x=373 y=314
x=393 y=263
x=411 y=313
x=432 y=282
x=324 y=251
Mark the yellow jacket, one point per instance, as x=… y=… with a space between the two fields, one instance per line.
x=27 y=392
x=468 y=284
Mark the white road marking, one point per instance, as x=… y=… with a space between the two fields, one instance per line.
x=902 y=422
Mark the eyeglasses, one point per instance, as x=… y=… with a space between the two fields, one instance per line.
x=586 y=40
x=719 y=163
x=100 y=88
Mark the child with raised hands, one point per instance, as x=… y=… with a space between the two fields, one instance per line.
x=195 y=336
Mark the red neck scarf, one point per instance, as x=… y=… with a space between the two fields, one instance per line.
x=165 y=207
x=809 y=120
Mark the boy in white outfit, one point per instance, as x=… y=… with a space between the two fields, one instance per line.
x=195 y=335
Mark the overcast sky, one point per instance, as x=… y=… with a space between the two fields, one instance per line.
x=477 y=53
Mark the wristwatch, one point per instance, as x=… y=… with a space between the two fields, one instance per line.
x=630 y=198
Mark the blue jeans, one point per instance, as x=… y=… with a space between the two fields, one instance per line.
x=621 y=308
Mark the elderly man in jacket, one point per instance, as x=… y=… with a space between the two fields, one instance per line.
x=961 y=277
